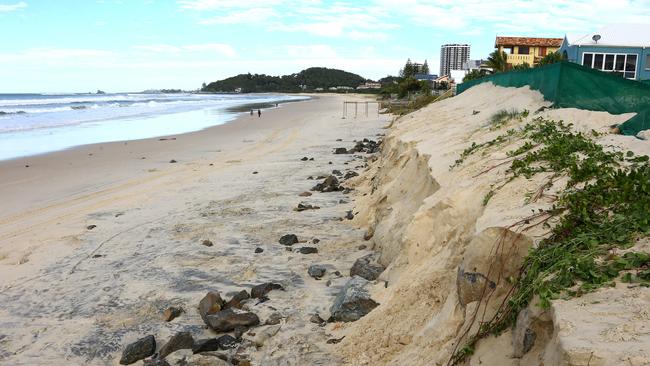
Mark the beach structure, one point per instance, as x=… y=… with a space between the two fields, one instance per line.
x=621 y=49
x=369 y=85
x=452 y=57
x=526 y=50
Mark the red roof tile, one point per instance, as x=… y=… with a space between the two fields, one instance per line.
x=528 y=41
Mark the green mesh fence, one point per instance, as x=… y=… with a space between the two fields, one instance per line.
x=569 y=85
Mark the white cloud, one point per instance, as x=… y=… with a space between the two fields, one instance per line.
x=255 y=15
x=222 y=49
x=5 y=8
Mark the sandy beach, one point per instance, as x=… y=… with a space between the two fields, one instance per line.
x=97 y=241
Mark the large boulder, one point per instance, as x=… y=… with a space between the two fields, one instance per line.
x=260 y=291
x=205 y=345
x=182 y=340
x=353 y=302
x=236 y=300
x=367 y=267
x=227 y=320
x=210 y=304
x=316 y=271
x=138 y=350
x=329 y=184
x=288 y=239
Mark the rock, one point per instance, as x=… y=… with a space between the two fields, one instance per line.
x=90 y=227
x=315 y=241
x=340 y=150
x=305 y=194
x=339 y=139
x=239 y=331
x=263 y=289
x=138 y=350
x=367 y=267
x=288 y=239
x=205 y=345
x=255 y=172
x=369 y=234
x=173 y=161
x=156 y=361
x=334 y=340
x=304 y=158
x=330 y=163
x=316 y=270
x=349 y=215
x=353 y=302
x=207 y=243
x=308 y=250
x=227 y=342
x=227 y=320
x=274 y=319
x=311 y=159
x=182 y=340
x=316 y=319
x=172 y=313
x=336 y=172
x=350 y=174
x=236 y=300
x=362 y=247
x=258 y=250
x=472 y=286
x=210 y=304
x=305 y=206
x=310 y=178
x=262 y=336
x=330 y=184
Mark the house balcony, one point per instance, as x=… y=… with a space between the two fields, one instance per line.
x=516 y=59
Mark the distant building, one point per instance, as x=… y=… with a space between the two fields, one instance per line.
x=474 y=65
x=528 y=50
x=452 y=57
x=425 y=77
x=369 y=85
x=623 y=49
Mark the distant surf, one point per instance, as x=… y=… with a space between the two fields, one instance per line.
x=39 y=123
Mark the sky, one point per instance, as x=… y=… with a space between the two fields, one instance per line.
x=133 y=45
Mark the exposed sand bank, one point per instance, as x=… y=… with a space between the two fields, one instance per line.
x=430 y=220
x=72 y=295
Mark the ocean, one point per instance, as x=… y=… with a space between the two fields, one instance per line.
x=33 y=124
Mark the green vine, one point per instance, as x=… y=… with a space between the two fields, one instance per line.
x=602 y=210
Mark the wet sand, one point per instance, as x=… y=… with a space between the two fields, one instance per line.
x=73 y=295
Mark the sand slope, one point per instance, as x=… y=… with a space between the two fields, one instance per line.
x=429 y=222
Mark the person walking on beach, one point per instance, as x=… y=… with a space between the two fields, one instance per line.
x=259 y=113
x=251 y=113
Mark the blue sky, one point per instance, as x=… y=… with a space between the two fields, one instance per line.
x=132 y=45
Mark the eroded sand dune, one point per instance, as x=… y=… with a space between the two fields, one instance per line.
x=431 y=227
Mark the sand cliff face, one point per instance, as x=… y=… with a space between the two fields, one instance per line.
x=444 y=242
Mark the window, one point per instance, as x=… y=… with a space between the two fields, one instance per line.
x=598 y=61
x=524 y=50
x=647 y=62
x=620 y=62
x=609 y=63
x=617 y=63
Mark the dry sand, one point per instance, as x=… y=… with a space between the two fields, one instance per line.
x=430 y=221
x=71 y=295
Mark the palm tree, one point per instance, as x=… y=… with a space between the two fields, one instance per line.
x=498 y=61
x=551 y=58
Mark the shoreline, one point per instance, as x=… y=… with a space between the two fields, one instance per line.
x=95 y=242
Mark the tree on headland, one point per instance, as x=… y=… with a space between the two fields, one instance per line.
x=498 y=61
x=408 y=70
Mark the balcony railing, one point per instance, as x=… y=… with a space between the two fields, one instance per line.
x=515 y=59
